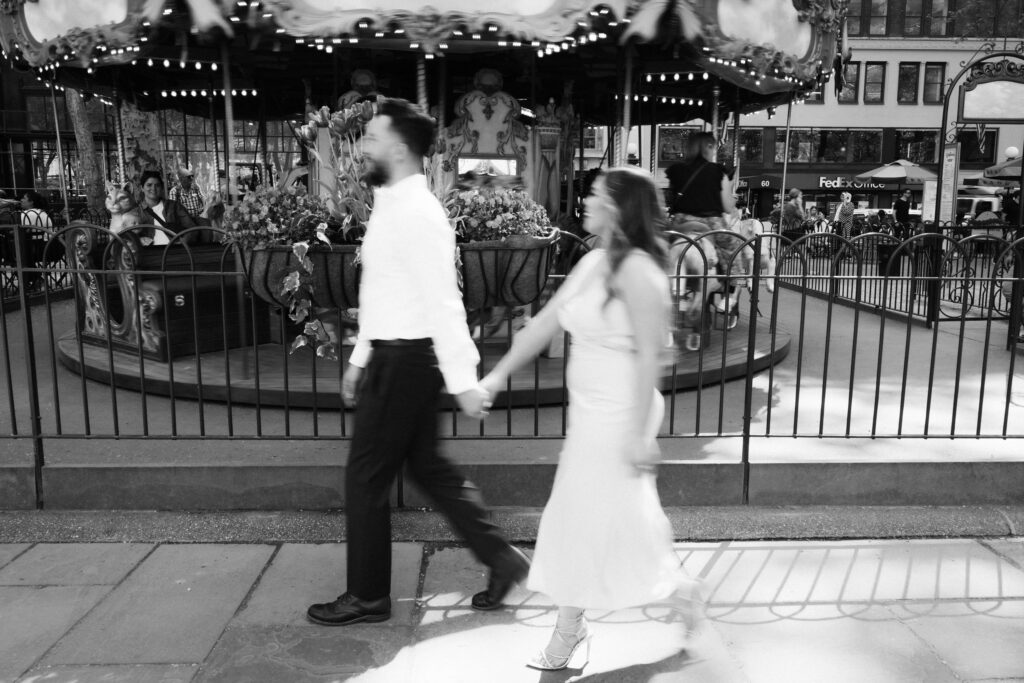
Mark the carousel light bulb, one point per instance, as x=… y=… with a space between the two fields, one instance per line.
x=429 y=55
x=602 y=36
x=700 y=103
x=213 y=67
x=648 y=78
x=414 y=46
x=378 y=34
x=540 y=53
x=592 y=37
x=329 y=49
x=181 y=64
x=645 y=98
x=662 y=78
x=199 y=66
x=689 y=77
x=353 y=41
x=443 y=46
x=234 y=93
x=193 y=93
x=705 y=75
x=203 y=93
x=167 y=63
x=163 y=93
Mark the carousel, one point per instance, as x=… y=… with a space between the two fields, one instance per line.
x=512 y=89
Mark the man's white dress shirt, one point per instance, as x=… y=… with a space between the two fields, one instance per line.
x=409 y=288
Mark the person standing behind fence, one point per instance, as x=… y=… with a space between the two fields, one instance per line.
x=604 y=541
x=793 y=212
x=844 y=215
x=36 y=228
x=187 y=194
x=413 y=338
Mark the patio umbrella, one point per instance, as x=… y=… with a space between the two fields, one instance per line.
x=901 y=171
x=1007 y=170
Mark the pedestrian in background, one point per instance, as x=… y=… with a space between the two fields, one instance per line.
x=793 y=212
x=413 y=339
x=604 y=541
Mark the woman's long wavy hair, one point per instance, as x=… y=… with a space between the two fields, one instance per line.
x=642 y=218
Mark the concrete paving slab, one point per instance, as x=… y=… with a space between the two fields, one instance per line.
x=817 y=643
x=9 y=551
x=852 y=571
x=70 y=564
x=297 y=654
x=173 y=608
x=1010 y=549
x=979 y=640
x=302 y=574
x=628 y=645
x=146 y=673
x=35 y=618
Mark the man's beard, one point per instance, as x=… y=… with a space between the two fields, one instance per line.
x=375 y=174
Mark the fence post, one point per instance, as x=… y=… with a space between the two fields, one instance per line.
x=30 y=366
x=748 y=383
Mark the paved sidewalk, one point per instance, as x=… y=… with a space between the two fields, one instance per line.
x=930 y=610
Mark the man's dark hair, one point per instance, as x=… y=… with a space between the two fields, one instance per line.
x=415 y=129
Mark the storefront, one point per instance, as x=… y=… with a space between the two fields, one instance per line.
x=821 y=190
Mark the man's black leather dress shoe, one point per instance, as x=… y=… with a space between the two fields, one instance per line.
x=348 y=609
x=501 y=582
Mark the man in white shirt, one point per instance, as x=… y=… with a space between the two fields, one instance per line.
x=413 y=339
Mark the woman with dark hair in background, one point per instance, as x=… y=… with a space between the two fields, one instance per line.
x=604 y=541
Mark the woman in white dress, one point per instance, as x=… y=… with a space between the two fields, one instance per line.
x=604 y=511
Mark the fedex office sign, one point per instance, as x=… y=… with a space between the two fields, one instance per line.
x=841 y=183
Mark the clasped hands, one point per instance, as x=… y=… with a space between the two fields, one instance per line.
x=476 y=402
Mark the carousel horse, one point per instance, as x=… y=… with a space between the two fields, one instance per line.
x=707 y=269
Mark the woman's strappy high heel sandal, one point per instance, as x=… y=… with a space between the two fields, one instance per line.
x=567 y=639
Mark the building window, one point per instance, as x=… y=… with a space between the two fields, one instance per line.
x=934 y=83
x=853 y=15
x=751 y=149
x=912 y=24
x=851 y=83
x=829 y=146
x=972 y=152
x=987 y=19
x=906 y=86
x=878 y=19
x=919 y=146
x=938 y=18
x=874 y=83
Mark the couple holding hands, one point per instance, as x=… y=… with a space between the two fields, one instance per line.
x=604 y=513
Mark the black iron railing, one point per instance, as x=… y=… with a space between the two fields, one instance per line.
x=830 y=338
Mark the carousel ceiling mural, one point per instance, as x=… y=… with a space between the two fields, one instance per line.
x=173 y=53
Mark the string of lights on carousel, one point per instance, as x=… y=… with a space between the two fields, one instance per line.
x=743 y=66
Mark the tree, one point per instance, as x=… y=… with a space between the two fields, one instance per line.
x=88 y=160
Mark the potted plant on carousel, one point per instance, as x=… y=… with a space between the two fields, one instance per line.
x=506 y=245
x=299 y=249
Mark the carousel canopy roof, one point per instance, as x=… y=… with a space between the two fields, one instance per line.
x=173 y=54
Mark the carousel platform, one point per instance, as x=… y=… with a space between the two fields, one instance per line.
x=267 y=375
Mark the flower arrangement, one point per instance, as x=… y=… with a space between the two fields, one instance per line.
x=349 y=192
x=269 y=216
x=482 y=214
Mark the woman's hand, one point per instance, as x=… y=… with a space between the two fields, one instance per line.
x=644 y=454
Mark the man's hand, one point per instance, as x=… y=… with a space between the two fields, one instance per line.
x=350 y=384
x=474 y=402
